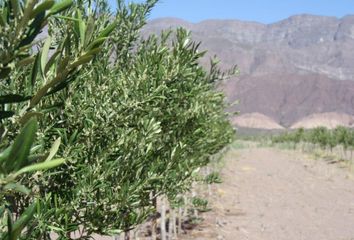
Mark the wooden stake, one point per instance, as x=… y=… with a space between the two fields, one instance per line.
x=170 y=224
x=163 y=220
x=194 y=194
x=154 y=220
x=180 y=220
x=174 y=226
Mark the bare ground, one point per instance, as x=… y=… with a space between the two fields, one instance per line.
x=272 y=194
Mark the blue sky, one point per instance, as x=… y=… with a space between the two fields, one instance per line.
x=265 y=11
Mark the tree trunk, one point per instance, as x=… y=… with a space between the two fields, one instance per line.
x=127 y=235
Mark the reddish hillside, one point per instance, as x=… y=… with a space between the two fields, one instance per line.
x=289 y=70
x=255 y=120
x=288 y=98
x=329 y=120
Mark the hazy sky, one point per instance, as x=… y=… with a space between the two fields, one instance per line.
x=266 y=11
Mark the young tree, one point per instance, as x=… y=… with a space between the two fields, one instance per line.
x=136 y=121
x=31 y=69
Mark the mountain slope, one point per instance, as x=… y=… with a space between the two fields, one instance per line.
x=289 y=69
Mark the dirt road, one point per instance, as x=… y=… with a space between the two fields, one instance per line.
x=271 y=194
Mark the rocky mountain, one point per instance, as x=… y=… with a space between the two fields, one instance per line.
x=289 y=69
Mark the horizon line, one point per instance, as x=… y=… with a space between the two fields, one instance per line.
x=246 y=20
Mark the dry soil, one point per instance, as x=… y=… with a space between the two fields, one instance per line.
x=272 y=194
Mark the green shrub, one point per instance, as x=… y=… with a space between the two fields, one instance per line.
x=137 y=117
x=32 y=69
x=140 y=132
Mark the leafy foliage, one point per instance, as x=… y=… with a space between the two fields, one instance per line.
x=137 y=118
x=28 y=73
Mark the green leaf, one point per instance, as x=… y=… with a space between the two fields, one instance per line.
x=34 y=29
x=17 y=187
x=35 y=69
x=51 y=61
x=44 y=6
x=29 y=115
x=44 y=55
x=21 y=146
x=9 y=227
x=61 y=76
x=96 y=43
x=13 y=98
x=92 y=52
x=63 y=64
x=53 y=150
x=80 y=27
x=22 y=222
x=25 y=61
x=82 y=60
x=2 y=210
x=41 y=166
x=15 y=5
x=105 y=32
x=4 y=155
x=60 y=6
x=89 y=29
x=2 y=19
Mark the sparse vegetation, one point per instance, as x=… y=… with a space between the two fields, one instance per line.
x=340 y=138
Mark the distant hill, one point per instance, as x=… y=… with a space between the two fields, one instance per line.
x=289 y=69
x=255 y=120
x=329 y=120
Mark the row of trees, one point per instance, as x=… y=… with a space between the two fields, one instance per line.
x=321 y=137
x=132 y=119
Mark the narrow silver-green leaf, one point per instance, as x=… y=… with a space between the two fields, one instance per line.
x=96 y=43
x=4 y=155
x=53 y=150
x=41 y=166
x=60 y=6
x=21 y=223
x=44 y=54
x=80 y=26
x=44 y=6
x=89 y=29
x=35 y=69
x=105 y=32
x=21 y=146
x=17 y=188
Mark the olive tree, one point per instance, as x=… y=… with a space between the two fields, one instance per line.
x=33 y=67
x=136 y=117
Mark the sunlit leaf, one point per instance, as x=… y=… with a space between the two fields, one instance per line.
x=21 y=146
x=60 y=6
x=53 y=150
x=41 y=166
